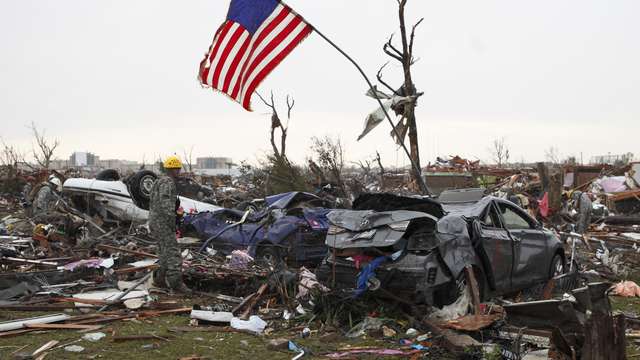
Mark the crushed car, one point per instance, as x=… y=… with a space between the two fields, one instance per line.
x=289 y=227
x=417 y=249
x=122 y=200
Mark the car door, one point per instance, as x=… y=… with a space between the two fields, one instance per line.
x=530 y=253
x=495 y=250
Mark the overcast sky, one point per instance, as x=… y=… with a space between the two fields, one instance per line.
x=119 y=78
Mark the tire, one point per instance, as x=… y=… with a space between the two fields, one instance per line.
x=140 y=186
x=247 y=205
x=108 y=175
x=269 y=254
x=558 y=266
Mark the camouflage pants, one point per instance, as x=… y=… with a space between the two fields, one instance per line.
x=170 y=271
x=170 y=259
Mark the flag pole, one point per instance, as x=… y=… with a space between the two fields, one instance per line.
x=416 y=169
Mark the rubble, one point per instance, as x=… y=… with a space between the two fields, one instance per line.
x=88 y=270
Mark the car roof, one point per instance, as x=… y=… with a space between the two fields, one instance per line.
x=457 y=196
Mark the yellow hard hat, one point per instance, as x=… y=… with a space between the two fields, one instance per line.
x=172 y=162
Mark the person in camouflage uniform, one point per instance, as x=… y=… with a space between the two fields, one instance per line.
x=163 y=207
x=46 y=197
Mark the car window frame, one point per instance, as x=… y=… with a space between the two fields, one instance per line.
x=533 y=225
x=487 y=211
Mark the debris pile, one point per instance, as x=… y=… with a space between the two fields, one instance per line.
x=472 y=274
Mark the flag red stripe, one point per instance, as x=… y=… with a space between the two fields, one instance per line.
x=269 y=48
x=234 y=65
x=222 y=32
x=277 y=60
x=225 y=54
x=267 y=30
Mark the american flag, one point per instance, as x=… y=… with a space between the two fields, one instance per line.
x=255 y=38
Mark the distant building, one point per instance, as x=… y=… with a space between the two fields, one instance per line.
x=125 y=166
x=612 y=159
x=214 y=163
x=59 y=164
x=83 y=159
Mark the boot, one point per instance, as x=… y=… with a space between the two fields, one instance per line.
x=159 y=279
x=182 y=289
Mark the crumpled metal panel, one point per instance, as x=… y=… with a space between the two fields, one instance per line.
x=364 y=220
x=455 y=246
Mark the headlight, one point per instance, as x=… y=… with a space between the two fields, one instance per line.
x=335 y=230
x=399 y=226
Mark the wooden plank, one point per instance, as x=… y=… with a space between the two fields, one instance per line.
x=37 y=307
x=255 y=299
x=472 y=283
x=452 y=341
x=81 y=301
x=59 y=326
x=132 y=252
x=136 y=269
x=45 y=347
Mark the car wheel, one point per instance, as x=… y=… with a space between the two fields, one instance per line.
x=140 y=186
x=557 y=266
x=247 y=206
x=268 y=254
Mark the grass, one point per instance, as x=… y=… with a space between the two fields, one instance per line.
x=210 y=345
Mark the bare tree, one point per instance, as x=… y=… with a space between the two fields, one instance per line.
x=10 y=159
x=405 y=57
x=500 y=151
x=10 y=155
x=188 y=158
x=44 y=149
x=552 y=155
x=329 y=156
x=276 y=124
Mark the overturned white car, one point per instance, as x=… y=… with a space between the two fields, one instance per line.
x=115 y=199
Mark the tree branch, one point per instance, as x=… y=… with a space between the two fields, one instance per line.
x=413 y=35
x=379 y=77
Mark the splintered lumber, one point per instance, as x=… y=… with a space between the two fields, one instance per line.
x=27 y=261
x=59 y=307
x=255 y=299
x=473 y=289
x=60 y=326
x=81 y=301
x=136 y=269
x=138 y=337
x=455 y=342
x=45 y=347
x=132 y=252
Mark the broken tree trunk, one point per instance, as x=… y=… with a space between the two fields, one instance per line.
x=410 y=90
x=604 y=337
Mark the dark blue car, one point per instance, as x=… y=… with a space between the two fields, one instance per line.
x=291 y=227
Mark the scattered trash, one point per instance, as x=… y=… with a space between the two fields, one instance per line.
x=369 y=323
x=93 y=337
x=626 y=289
x=388 y=332
x=210 y=316
x=254 y=324
x=74 y=348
